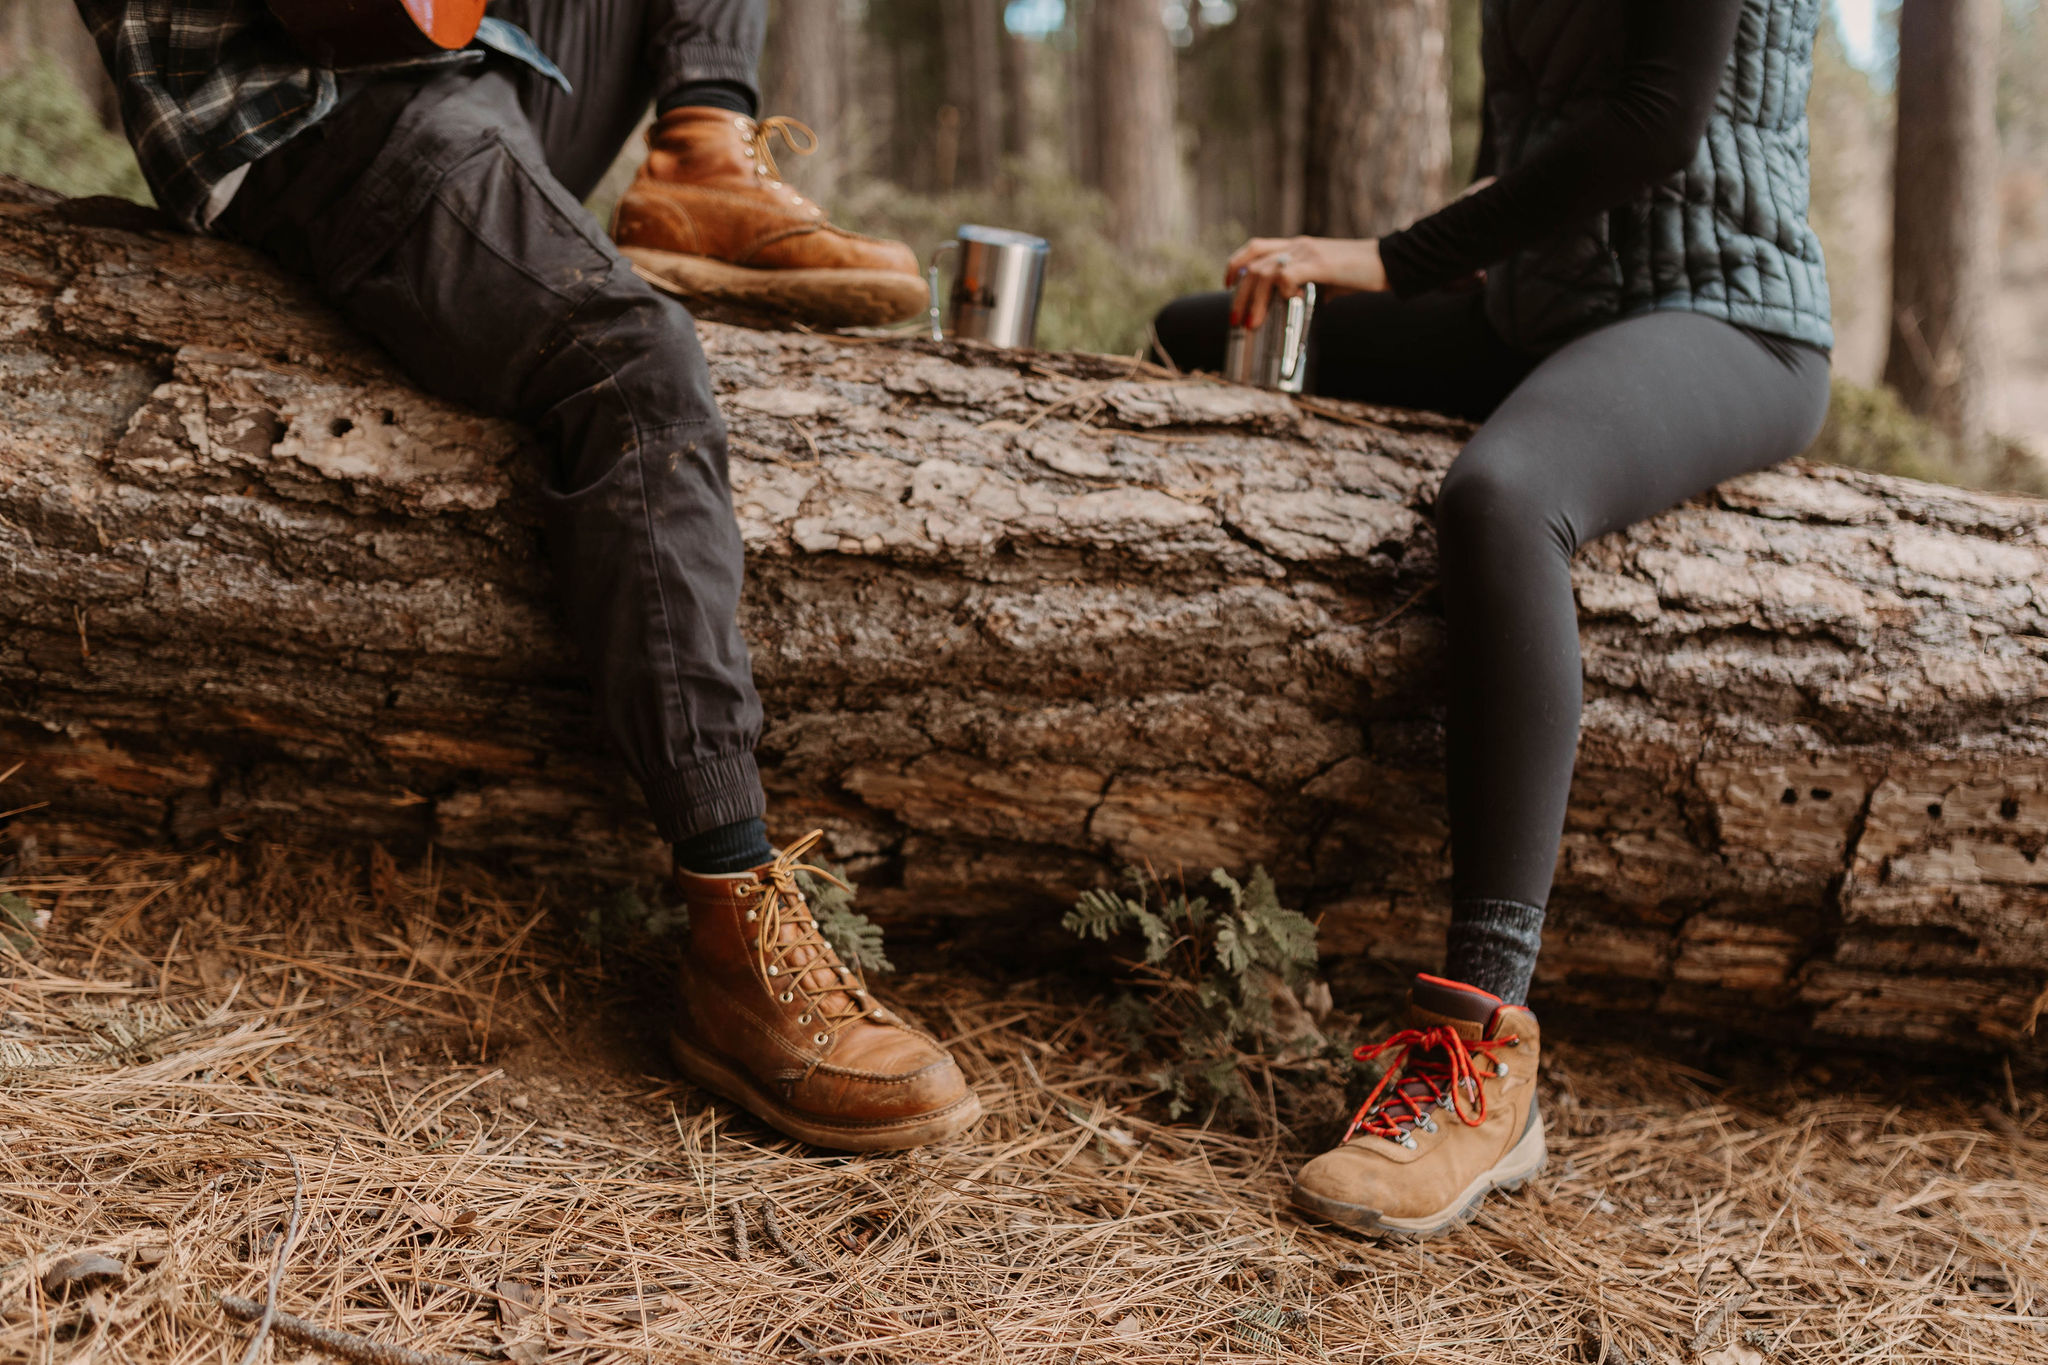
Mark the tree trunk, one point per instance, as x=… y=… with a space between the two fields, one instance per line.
x=51 y=29
x=1134 y=125
x=1945 y=196
x=906 y=36
x=804 y=75
x=1020 y=105
x=974 y=35
x=1017 y=619
x=1379 y=131
x=1282 y=35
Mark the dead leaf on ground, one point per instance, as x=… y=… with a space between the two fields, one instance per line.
x=1735 y=1354
x=217 y=971
x=571 y=1325
x=432 y=1215
x=81 y=1270
x=516 y=1300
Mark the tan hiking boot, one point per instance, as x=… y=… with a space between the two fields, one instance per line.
x=776 y=1023
x=1453 y=1119
x=708 y=220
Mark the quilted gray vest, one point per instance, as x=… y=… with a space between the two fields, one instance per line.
x=1726 y=237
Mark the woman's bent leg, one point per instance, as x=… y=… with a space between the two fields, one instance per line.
x=1609 y=430
x=1436 y=352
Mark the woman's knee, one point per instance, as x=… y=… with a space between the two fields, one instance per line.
x=1192 y=333
x=1498 y=496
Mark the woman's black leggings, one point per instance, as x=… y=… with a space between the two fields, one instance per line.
x=1607 y=430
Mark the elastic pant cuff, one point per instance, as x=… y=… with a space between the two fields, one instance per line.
x=689 y=800
x=683 y=64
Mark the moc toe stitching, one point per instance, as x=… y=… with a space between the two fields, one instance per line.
x=887 y=1077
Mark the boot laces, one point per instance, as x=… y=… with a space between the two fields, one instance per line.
x=796 y=136
x=795 y=958
x=1433 y=1069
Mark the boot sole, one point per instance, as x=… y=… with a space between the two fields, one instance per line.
x=1510 y=1173
x=711 y=1072
x=816 y=298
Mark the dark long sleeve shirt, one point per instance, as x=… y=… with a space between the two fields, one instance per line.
x=1647 y=129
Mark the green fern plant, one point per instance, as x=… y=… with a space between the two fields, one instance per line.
x=855 y=937
x=1223 y=991
x=627 y=916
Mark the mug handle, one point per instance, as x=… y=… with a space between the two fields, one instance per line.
x=932 y=280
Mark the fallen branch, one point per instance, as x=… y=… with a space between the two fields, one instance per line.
x=797 y=1256
x=284 y=1254
x=1017 y=621
x=345 y=1345
x=740 y=1247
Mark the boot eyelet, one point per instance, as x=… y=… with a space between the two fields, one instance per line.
x=753 y=915
x=803 y=1018
x=786 y=997
x=774 y=970
x=1500 y=1068
x=821 y=1039
x=1408 y=1141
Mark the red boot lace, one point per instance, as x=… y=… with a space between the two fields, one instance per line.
x=1433 y=1070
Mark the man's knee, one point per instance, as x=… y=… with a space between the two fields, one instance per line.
x=649 y=343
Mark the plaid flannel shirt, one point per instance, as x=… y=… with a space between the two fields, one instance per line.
x=209 y=87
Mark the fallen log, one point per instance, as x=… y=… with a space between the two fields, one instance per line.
x=1017 y=619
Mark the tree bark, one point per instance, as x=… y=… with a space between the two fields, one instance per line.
x=1134 y=124
x=804 y=75
x=974 y=89
x=1944 y=202
x=1282 y=35
x=1379 y=132
x=52 y=29
x=1020 y=105
x=1017 y=619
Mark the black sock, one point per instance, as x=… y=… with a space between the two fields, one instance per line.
x=732 y=95
x=736 y=847
x=1493 y=945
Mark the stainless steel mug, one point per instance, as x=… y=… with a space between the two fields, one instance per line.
x=1275 y=356
x=997 y=282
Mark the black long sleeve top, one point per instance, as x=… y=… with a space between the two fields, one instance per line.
x=1647 y=129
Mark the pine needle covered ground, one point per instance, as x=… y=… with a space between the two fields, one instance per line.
x=490 y=1160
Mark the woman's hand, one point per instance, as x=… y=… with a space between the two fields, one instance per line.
x=1266 y=267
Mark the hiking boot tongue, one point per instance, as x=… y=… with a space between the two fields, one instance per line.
x=1453 y=1001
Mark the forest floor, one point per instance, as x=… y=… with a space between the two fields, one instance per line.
x=434 y=1119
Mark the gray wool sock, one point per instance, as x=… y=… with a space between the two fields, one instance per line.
x=1493 y=945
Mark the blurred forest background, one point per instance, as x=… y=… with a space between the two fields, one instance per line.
x=1147 y=139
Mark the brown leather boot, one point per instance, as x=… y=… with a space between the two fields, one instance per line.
x=776 y=1023
x=1454 y=1119
x=707 y=220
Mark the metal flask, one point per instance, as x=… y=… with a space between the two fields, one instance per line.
x=996 y=287
x=1275 y=356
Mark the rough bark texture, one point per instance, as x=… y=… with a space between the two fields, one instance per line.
x=1018 y=619
x=1945 y=201
x=1133 y=122
x=1379 y=116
